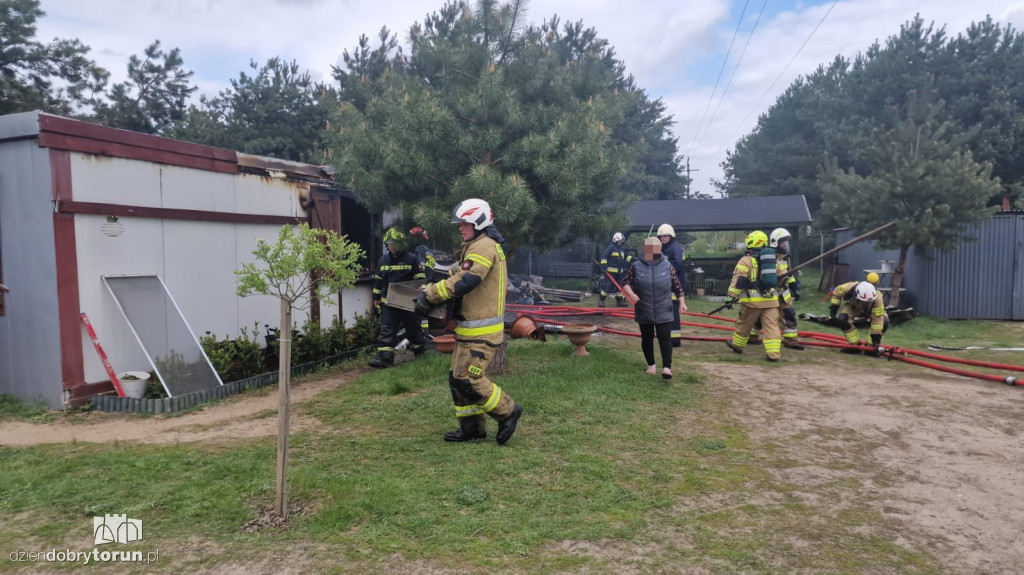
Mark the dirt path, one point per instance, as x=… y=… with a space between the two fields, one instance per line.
x=948 y=450
x=232 y=418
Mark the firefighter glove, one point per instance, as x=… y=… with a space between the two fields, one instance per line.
x=876 y=342
x=376 y=307
x=423 y=307
x=832 y=310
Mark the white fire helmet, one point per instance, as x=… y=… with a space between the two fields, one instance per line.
x=473 y=211
x=865 y=292
x=666 y=230
x=618 y=237
x=778 y=235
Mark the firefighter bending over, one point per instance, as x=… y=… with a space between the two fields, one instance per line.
x=855 y=299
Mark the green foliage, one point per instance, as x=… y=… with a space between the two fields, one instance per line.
x=154 y=96
x=483 y=107
x=299 y=253
x=277 y=111
x=919 y=179
x=841 y=108
x=57 y=77
x=11 y=407
x=234 y=359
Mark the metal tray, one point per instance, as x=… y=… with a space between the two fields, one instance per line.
x=401 y=295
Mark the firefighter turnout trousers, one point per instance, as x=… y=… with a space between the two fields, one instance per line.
x=472 y=393
x=771 y=337
x=391 y=319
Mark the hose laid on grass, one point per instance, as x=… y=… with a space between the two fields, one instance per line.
x=821 y=340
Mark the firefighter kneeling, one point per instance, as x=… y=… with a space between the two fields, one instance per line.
x=854 y=299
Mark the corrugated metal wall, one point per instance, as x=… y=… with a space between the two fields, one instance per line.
x=983 y=279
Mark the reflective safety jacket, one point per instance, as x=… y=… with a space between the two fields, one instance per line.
x=673 y=252
x=845 y=295
x=614 y=259
x=401 y=267
x=787 y=283
x=744 y=285
x=480 y=280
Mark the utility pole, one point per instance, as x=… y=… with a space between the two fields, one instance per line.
x=688 y=170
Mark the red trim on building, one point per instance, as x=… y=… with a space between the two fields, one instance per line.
x=72 y=207
x=72 y=135
x=66 y=254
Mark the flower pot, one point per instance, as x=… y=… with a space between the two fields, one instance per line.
x=445 y=343
x=579 y=335
x=526 y=327
x=700 y=291
x=133 y=383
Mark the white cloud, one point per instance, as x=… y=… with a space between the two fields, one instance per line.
x=673 y=48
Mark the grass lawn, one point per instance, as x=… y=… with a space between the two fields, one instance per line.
x=611 y=471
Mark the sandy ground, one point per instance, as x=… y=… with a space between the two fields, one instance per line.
x=950 y=446
x=232 y=418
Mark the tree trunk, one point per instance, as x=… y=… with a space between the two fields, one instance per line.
x=897 y=277
x=498 y=362
x=284 y=372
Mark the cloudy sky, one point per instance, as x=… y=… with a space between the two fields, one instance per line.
x=676 y=49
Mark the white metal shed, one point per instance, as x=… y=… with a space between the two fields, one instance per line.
x=191 y=215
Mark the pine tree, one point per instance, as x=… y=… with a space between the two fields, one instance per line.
x=922 y=178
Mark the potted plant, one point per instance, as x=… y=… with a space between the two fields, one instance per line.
x=133 y=383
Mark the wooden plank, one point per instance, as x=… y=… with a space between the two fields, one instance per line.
x=117 y=150
x=66 y=126
x=173 y=213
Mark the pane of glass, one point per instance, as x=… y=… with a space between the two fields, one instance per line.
x=168 y=342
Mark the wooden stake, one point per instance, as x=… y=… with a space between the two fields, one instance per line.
x=284 y=371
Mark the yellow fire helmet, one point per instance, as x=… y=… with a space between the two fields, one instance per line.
x=873 y=278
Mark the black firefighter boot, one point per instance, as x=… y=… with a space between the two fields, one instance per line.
x=383 y=359
x=507 y=426
x=621 y=301
x=470 y=428
x=600 y=301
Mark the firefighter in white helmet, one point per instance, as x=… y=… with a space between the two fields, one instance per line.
x=479 y=283
x=856 y=299
x=789 y=289
x=673 y=252
x=614 y=262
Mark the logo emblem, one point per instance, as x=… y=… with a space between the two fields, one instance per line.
x=116 y=528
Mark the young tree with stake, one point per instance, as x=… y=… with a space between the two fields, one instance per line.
x=301 y=263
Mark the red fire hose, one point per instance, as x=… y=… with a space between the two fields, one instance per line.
x=826 y=340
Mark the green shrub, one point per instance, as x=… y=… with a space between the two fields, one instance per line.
x=235 y=359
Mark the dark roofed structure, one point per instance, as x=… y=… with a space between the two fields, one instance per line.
x=724 y=214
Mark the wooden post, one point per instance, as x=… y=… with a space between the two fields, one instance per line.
x=855 y=240
x=284 y=370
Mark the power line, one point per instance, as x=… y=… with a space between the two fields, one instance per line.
x=721 y=98
x=777 y=78
x=720 y=70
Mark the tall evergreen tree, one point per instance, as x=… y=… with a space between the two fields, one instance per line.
x=485 y=108
x=541 y=121
x=57 y=77
x=979 y=74
x=921 y=177
x=154 y=96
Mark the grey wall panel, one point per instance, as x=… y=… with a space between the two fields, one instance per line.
x=29 y=332
x=982 y=279
x=977 y=280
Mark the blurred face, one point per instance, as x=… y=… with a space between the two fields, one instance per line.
x=467 y=231
x=652 y=249
x=664 y=239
